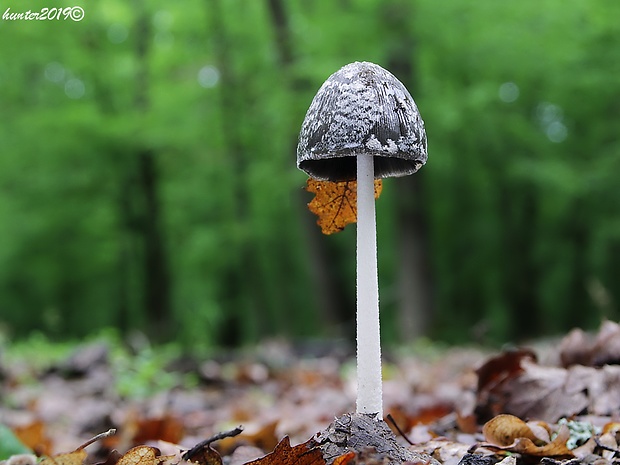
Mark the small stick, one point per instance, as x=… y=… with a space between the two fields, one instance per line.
x=400 y=431
x=107 y=434
x=201 y=445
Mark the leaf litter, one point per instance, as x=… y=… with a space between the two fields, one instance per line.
x=556 y=403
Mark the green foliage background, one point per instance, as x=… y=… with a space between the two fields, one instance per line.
x=148 y=180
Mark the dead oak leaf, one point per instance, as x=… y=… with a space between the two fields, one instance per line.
x=303 y=454
x=335 y=203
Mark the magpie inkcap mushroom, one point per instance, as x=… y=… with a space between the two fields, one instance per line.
x=363 y=125
x=361 y=109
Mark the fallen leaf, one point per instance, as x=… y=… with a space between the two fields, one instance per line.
x=581 y=348
x=207 y=456
x=611 y=427
x=514 y=383
x=556 y=448
x=202 y=452
x=303 y=454
x=509 y=433
x=244 y=454
x=606 y=350
x=33 y=436
x=335 y=203
x=72 y=458
x=344 y=459
x=165 y=428
x=493 y=375
x=504 y=430
x=140 y=455
x=265 y=438
x=549 y=393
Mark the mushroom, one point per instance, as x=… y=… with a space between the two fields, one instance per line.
x=363 y=124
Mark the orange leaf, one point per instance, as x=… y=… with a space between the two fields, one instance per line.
x=335 y=203
x=284 y=454
x=344 y=459
x=33 y=436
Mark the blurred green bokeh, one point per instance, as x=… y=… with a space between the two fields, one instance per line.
x=148 y=180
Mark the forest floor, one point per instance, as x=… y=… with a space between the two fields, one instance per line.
x=552 y=402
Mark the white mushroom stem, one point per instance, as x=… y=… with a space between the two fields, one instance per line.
x=369 y=392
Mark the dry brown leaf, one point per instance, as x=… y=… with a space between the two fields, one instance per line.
x=207 y=456
x=165 y=428
x=514 y=383
x=581 y=348
x=140 y=455
x=509 y=433
x=302 y=454
x=556 y=448
x=34 y=437
x=550 y=393
x=504 y=430
x=265 y=438
x=335 y=203
x=493 y=375
x=76 y=457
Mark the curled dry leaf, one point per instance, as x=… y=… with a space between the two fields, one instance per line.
x=303 y=454
x=556 y=448
x=504 y=430
x=335 y=203
x=509 y=433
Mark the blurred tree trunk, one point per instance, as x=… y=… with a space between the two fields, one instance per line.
x=415 y=286
x=156 y=277
x=242 y=294
x=334 y=307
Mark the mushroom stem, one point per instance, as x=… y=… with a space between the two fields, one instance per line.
x=369 y=395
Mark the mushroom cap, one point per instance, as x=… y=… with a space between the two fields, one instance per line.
x=361 y=108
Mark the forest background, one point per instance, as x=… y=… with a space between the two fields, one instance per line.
x=148 y=179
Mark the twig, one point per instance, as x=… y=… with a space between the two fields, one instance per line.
x=400 y=431
x=107 y=434
x=604 y=447
x=201 y=445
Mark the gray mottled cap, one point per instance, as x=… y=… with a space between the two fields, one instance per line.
x=362 y=108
